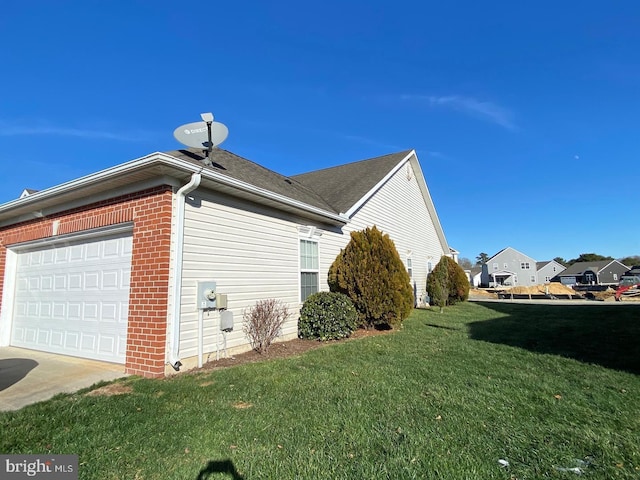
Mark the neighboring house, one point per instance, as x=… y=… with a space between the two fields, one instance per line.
x=548 y=270
x=631 y=276
x=509 y=267
x=107 y=266
x=603 y=272
x=27 y=191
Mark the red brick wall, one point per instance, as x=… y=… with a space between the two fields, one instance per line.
x=150 y=212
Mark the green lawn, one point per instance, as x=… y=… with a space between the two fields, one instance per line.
x=446 y=397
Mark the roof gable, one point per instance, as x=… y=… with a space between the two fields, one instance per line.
x=580 y=267
x=509 y=249
x=323 y=194
x=345 y=185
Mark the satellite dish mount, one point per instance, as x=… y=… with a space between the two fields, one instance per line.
x=208 y=119
x=205 y=135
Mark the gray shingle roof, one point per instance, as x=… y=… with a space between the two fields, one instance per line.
x=344 y=185
x=579 y=267
x=334 y=189
x=234 y=166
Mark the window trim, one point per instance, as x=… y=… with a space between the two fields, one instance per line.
x=301 y=270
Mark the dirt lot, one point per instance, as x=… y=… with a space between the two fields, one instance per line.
x=553 y=289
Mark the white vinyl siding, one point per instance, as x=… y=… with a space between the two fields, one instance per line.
x=250 y=252
x=399 y=210
x=253 y=252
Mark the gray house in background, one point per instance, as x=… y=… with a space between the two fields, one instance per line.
x=548 y=270
x=604 y=272
x=509 y=267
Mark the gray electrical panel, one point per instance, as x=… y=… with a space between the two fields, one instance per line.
x=206 y=296
x=226 y=321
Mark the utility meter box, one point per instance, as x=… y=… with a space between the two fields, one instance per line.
x=226 y=321
x=206 y=295
x=221 y=301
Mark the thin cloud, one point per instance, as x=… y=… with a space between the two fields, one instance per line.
x=484 y=110
x=31 y=131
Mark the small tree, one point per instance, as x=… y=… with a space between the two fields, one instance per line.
x=369 y=271
x=482 y=258
x=438 y=285
x=263 y=323
x=465 y=263
x=447 y=284
x=458 y=282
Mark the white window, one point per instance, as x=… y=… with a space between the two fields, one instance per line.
x=505 y=265
x=515 y=279
x=429 y=267
x=524 y=265
x=615 y=276
x=533 y=279
x=410 y=268
x=309 y=270
x=495 y=266
x=547 y=279
x=589 y=277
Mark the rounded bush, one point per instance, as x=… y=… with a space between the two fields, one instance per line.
x=370 y=272
x=327 y=316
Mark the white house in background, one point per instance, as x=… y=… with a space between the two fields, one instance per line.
x=548 y=270
x=107 y=266
x=509 y=267
x=475 y=276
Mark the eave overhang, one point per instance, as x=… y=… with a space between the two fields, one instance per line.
x=154 y=169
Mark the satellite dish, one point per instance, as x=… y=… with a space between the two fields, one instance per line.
x=196 y=134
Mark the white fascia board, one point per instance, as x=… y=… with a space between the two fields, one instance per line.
x=356 y=206
x=80 y=182
x=162 y=158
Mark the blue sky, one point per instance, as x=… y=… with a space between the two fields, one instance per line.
x=525 y=116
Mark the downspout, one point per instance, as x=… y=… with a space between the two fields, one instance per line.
x=174 y=344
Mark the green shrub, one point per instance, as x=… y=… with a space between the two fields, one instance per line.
x=447 y=284
x=458 y=282
x=438 y=285
x=369 y=271
x=327 y=316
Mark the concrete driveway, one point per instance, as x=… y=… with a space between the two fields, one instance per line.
x=29 y=376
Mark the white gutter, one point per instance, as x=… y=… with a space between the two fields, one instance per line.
x=163 y=159
x=174 y=344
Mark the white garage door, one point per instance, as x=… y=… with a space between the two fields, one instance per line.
x=73 y=298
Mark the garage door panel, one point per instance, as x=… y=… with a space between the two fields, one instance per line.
x=71 y=341
x=92 y=280
x=90 y=312
x=43 y=337
x=73 y=298
x=107 y=344
x=88 y=342
x=57 y=338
